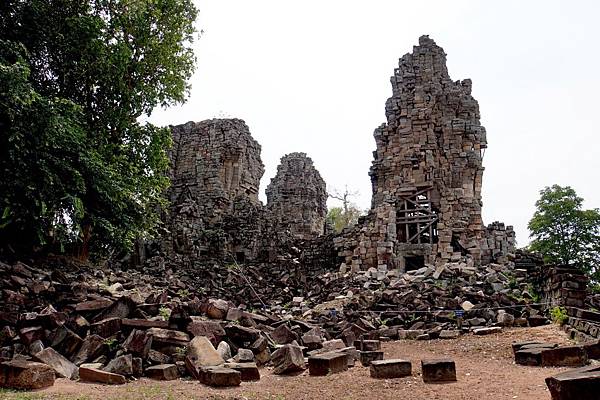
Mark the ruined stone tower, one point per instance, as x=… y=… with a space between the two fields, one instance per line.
x=426 y=174
x=297 y=197
x=216 y=168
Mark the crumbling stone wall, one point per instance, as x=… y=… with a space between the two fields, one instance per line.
x=498 y=242
x=216 y=170
x=426 y=174
x=297 y=197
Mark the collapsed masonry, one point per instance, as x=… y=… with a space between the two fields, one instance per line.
x=215 y=212
x=426 y=176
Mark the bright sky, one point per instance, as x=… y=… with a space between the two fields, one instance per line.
x=313 y=76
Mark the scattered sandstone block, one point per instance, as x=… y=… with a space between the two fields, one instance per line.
x=288 y=359
x=219 y=376
x=443 y=370
x=327 y=363
x=248 y=371
x=578 y=384
x=163 y=372
x=63 y=367
x=564 y=356
x=97 y=375
x=389 y=369
x=366 y=357
x=487 y=331
x=25 y=375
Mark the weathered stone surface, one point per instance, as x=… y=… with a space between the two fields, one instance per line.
x=169 y=336
x=565 y=356
x=284 y=335
x=211 y=329
x=327 y=363
x=367 y=345
x=63 y=367
x=366 y=357
x=201 y=353
x=163 y=372
x=97 y=375
x=217 y=309
x=107 y=327
x=288 y=359
x=138 y=343
x=487 y=331
x=389 y=369
x=578 y=384
x=248 y=371
x=449 y=334
x=442 y=370
x=224 y=351
x=244 y=355
x=137 y=323
x=297 y=197
x=25 y=375
x=219 y=376
x=122 y=365
x=65 y=341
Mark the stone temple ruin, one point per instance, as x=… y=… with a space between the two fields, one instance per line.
x=426 y=178
x=426 y=175
x=215 y=211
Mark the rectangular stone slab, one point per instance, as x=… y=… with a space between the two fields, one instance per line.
x=96 y=375
x=327 y=363
x=249 y=371
x=442 y=370
x=367 y=345
x=366 y=357
x=163 y=372
x=389 y=369
x=565 y=356
x=63 y=367
x=578 y=384
x=26 y=375
x=219 y=376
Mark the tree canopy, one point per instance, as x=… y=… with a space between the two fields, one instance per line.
x=79 y=167
x=563 y=232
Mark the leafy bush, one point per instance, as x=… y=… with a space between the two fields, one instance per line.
x=559 y=315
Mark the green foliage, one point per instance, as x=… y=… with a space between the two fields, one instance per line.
x=563 y=232
x=534 y=293
x=559 y=315
x=164 y=312
x=76 y=79
x=340 y=219
x=112 y=344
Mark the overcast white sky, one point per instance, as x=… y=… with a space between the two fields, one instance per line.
x=313 y=76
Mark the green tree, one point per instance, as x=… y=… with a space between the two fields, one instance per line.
x=77 y=77
x=563 y=232
x=347 y=214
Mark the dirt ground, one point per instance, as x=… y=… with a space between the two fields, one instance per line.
x=485 y=370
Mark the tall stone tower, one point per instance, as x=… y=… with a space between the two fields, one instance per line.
x=297 y=197
x=427 y=170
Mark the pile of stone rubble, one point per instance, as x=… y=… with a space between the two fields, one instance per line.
x=111 y=325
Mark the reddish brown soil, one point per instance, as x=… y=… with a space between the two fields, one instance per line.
x=485 y=370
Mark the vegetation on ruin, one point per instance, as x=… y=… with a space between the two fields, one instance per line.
x=559 y=315
x=564 y=233
x=81 y=171
x=346 y=215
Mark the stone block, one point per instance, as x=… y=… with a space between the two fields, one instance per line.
x=219 y=376
x=565 y=356
x=25 y=375
x=487 y=331
x=578 y=384
x=327 y=363
x=366 y=357
x=163 y=372
x=249 y=371
x=63 y=367
x=288 y=359
x=201 y=353
x=389 y=369
x=443 y=370
x=367 y=345
x=97 y=375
